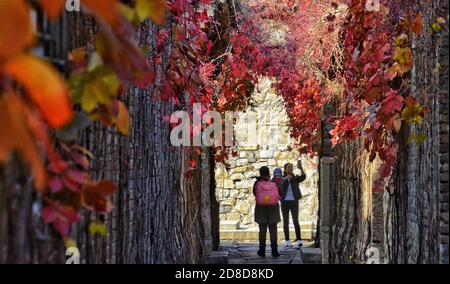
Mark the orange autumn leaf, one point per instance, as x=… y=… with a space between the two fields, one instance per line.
x=104 y=9
x=53 y=8
x=15 y=28
x=417 y=24
x=45 y=87
x=17 y=136
x=123 y=119
x=95 y=196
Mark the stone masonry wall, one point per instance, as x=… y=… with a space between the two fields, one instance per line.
x=273 y=148
x=443 y=153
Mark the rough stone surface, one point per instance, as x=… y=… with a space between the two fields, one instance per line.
x=273 y=148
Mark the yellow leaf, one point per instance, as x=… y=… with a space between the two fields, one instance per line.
x=413 y=112
x=69 y=243
x=435 y=27
x=127 y=12
x=419 y=138
x=88 y=101
x=401 y=39
x=391 y=73
x=156 y=10
x=404 y=58
x=123 y=119
x=97 y=86
x=45 y=87
x=97 y=228
x=15 y=28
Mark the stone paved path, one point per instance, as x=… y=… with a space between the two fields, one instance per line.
x=246 y=254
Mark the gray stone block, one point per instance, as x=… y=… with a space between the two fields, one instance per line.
x=229 y=225
x=217 y=257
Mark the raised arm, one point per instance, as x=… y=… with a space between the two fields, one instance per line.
x=302 y=176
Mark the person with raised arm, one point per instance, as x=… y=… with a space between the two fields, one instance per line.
x=290 y=196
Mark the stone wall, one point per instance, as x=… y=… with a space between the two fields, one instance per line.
x=272 y=147
x=443 y=152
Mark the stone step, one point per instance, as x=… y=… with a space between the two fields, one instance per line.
x=311 y=255
x=217 y=257
x=229 y=225
x=251 y=235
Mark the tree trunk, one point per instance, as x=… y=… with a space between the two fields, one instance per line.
x=352 y=190
x=412 y=208
x=159 y=215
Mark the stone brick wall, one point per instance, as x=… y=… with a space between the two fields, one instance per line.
x=273 y=148
x=443 y=153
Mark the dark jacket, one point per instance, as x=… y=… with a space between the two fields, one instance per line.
x=266 y=214
x=295 y=184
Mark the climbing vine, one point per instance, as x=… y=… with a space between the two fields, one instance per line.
x=354 y=53
x=357 y=54
x=36 y=100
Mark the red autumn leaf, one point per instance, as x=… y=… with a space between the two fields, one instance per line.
x=167 y=92
x=60 y=216
x=392 y=103
x=157 y=59
x=55 y=184
x=147 y=78
x=76 y=175
x=203 y=16
x=71 y=184
x=192 y=163
x=122 y=90
x=80 y=160
x=95 y=196
x=417 y=24
x=188 y=173
x=57 y=166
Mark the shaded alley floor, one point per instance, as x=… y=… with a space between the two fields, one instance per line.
x=246 y=254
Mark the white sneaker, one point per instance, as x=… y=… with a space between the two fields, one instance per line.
x=288 y=244
x=298 y=243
